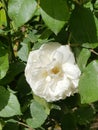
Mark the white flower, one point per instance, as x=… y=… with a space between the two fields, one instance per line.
x=51 y=72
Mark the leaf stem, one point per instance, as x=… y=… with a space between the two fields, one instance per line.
x=23 y=124
x=94 y=52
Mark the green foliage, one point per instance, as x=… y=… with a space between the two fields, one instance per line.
x=21 y=11
x=2 y=16
x=11 y=126
x=9 y=105
x=55 y=18
x=24 y=26
x=14 y=70
x=84 y=115
x=89 y=83
x=83 y=58
x=82 y=25
x=67 y=120
x=38 y=115
x=23 y=52
x=4 y=62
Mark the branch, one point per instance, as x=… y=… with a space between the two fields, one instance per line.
x=94 y=52
x=23 y=124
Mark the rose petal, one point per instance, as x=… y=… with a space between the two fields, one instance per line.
x=51 y=72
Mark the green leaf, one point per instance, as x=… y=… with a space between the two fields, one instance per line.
x=47 y=106
x=40 y=42
x=2 y=18
x=68 y=122
x=9 y=105
x=88 y=84
x=14 y=70
x=46 y=34
x=96 y=22
x=55 y=14
x=20 y=11
x=4 y=61
x=84 y=115
x=85 y=1
x=23 y=86
x=4 y=95
x=24 y=51
x=31 y=36
x=95 y=4
x=11 y=126
x=38 y=115
x=90 y=45
x=83 y=58
x=82 y=25
x=4 y=65
x=3 y=21
x=1 y=124
x=72 y=101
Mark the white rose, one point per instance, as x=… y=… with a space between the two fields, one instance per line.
x=51 y=72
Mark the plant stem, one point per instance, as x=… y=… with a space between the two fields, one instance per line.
x=94 y=52
x=23 y=124
x=11 y=51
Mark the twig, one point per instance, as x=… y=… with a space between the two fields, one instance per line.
x=94 y=52
x=23 y=124
x=94 y=125
x=74 y=45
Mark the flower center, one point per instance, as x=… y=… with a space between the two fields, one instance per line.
x=55 y=70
